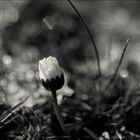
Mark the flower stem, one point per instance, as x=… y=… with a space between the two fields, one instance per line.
x=57 y=112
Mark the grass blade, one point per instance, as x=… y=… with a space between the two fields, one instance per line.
x=91 y=37
x=9 y=112
x=118 y=66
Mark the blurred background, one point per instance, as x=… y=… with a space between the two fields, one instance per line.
x=31 y=30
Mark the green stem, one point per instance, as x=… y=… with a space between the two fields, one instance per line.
x=57 y=112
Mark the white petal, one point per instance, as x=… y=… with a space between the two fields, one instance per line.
x=42 y=69
x=49 y=68
x=55 y=69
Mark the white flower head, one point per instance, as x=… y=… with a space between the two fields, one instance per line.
x=50 y=73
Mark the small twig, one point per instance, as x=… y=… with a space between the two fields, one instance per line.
x=91 y=37
x=11 y=119
x=117 y=105
x=90 y=133
x=59 y=137
x=118 y=66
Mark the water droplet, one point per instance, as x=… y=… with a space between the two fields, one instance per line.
x=124 y=73
x=29 y=74
x=7 y=60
